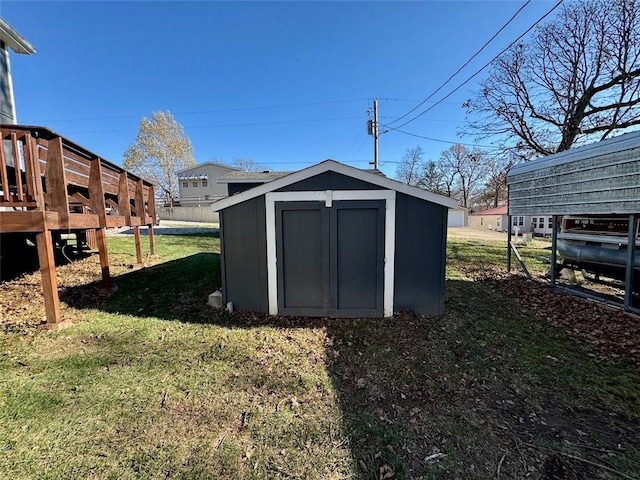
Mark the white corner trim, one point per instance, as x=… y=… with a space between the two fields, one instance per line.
x=389 y=254
x=327 y=197
x=272 y=265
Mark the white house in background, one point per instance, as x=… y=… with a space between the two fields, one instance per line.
x=458 y=217
x=540 y=226
x=497 y=219
x=199 y=184
x=492 y=219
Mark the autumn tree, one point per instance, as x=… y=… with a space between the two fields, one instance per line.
x=576 y=80
x=410 y=168
x=160 y=149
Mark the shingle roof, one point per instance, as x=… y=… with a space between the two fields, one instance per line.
x=198 y=165
x=251 y=177
x=493 y=211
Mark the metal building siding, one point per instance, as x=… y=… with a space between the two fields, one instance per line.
x=420 y=256
x=330 y=181
x=6 y=102
x=244 y=253
x=596 y=179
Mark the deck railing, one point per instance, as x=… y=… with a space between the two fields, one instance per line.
x=42 y=171
x=49 y=185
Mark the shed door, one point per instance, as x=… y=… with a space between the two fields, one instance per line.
x=330 y=259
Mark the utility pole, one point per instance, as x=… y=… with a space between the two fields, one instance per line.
x=372 y=129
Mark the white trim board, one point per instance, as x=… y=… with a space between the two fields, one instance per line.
x=328 y=196
x=333 y=166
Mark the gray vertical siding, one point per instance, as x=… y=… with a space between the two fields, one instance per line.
x=6 y=104
x=420 y=256
x=330 y=181
x=233 y=188
x=244 y=245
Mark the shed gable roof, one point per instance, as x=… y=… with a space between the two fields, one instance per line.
x=331 y=165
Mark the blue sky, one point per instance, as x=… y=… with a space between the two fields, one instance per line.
x=286 y=84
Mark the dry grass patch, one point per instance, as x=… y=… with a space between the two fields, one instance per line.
x=151 y=383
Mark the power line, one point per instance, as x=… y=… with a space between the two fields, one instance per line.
x=465 y=64
x=439 y=140
x=249 y=124
x=559 y=2
x=226 y=110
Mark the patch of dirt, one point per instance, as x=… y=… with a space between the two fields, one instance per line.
x=22 y=301
x=611 y=332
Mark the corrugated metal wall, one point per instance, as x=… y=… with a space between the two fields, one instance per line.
x=602 y=178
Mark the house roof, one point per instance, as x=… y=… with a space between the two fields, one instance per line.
x=14 y=40
x=204 y=164
x=332 y=165
x=251 y=177
x=620 y=143
x=492 y=211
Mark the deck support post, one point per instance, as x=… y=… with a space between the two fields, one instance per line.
x=101 y=240
x=554 y=250
x=631 y=254
x=152 y=241
x=136 y=234
x=509 y=243
x=49 y=280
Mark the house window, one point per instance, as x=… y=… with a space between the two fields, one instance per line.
x=520 y=221
x=550 y=222
x=515 y=221
x=481 y=221
x=205 y=183
x=534 y=222
x=498 y=222
x=185 y=184
x=194 y=184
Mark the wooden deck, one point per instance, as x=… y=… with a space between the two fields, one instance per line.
x=51 y=185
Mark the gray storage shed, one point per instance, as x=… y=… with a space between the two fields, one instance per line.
x=333 y=240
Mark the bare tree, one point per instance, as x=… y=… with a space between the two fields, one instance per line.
x=432 y=178
x=247 y=165
x=577 y=80
x=161 y=149
x=468 y=168
x=411 y=166
x=494 y=193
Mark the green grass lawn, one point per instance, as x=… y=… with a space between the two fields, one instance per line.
x=151 y=383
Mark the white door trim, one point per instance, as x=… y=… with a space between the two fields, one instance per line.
x=329 y=196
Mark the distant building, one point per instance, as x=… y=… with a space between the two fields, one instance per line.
x=458 y=217
x=9 y=39
x=492 y=219
x=497 y=219
x=236 y=182
x=198 y=185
